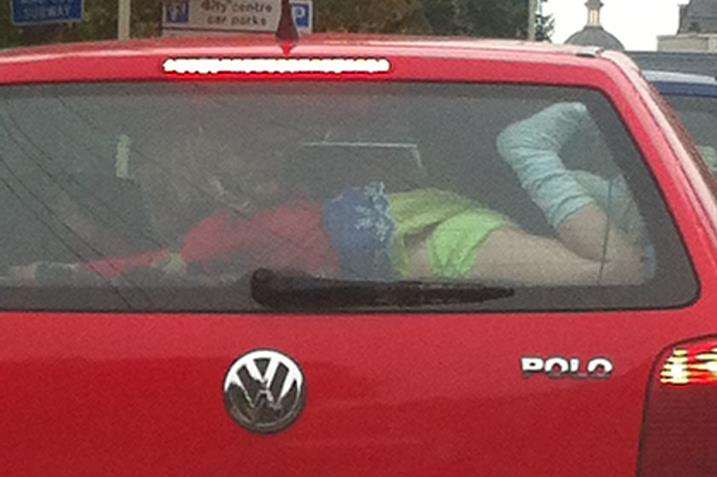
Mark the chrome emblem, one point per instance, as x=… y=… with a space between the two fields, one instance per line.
x=264 y=391
x=556 y=367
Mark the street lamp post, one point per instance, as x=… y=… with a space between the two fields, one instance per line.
x=531 y=19
x=124 y=14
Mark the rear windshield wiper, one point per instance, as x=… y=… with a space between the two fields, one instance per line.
x=275 y=289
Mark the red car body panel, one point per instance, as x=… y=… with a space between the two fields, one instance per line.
x=388 y=394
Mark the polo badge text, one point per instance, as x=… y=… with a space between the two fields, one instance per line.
x=557 y=367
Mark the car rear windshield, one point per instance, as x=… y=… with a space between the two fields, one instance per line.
x=339 y=196
x=699 y=114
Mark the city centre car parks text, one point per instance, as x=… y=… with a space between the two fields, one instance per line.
x=231 y=13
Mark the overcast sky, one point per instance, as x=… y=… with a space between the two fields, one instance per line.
x=635 y=22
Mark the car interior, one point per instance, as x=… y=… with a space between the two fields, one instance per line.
x=60 y=151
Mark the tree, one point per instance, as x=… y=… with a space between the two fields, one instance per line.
x=371 y=16
x=475 y=18
x=544 y=24
x=478 y=18
x=100 y=23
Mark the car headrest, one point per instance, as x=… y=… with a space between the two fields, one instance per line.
x=324 y=169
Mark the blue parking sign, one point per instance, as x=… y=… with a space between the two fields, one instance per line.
x=38 y=12
x=303 y=13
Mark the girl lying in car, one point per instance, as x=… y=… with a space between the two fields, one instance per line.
x=368 y=233
x=431 y=233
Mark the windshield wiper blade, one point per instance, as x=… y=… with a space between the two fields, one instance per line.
x=275 y=289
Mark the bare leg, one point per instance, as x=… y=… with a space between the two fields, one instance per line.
x=585 y=234
x=588 y=234
x=510 y=255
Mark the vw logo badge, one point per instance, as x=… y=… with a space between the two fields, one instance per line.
x=264 y=391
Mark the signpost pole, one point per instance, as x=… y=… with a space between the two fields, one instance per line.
x=124 y=12
x=531 y=19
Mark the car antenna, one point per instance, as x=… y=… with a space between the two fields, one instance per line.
x=286 y=33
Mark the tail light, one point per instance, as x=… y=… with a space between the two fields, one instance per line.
x=679 y=435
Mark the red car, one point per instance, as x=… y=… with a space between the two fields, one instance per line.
x=351 y=256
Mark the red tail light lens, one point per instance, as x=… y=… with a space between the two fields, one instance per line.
x=691 y=365
x=679 y=435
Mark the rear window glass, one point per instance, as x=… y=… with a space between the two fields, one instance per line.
x=481 y=197
x=699 y=115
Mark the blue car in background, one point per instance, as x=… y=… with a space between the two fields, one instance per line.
x=694 y=97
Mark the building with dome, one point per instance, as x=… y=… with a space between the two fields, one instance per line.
x=697 y=30
x=594 y=34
